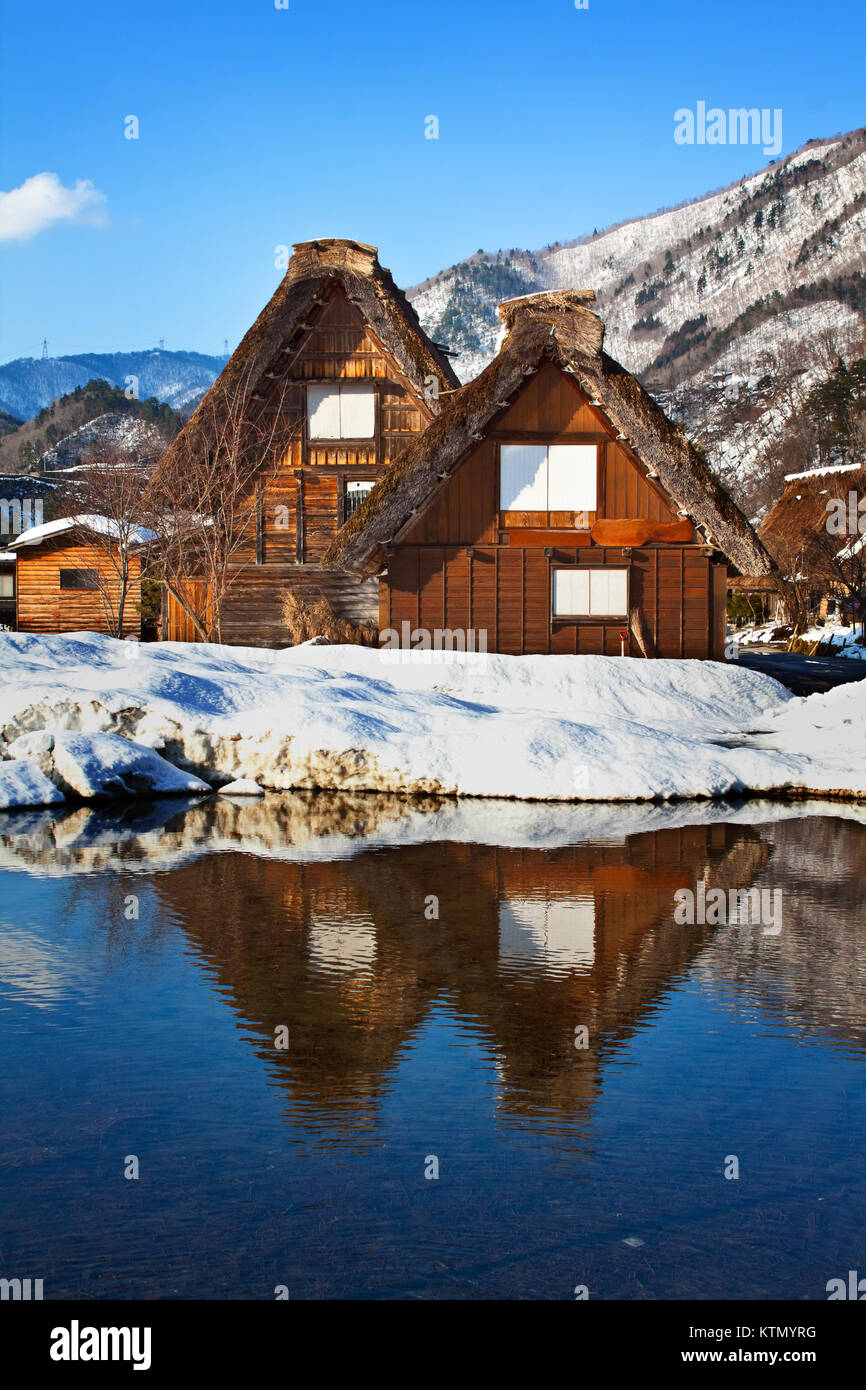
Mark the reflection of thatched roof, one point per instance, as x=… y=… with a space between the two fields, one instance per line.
x=315 y=271
x=562 y=328
x=795 y=528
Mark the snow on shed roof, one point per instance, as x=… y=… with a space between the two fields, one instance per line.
x=822 y=472
x=100 y=525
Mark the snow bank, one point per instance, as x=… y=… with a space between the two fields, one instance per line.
x=543 y=728
x=23 y=783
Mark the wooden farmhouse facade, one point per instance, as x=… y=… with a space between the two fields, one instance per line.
x=553 y=507
x=340 y=357
x=63 y=584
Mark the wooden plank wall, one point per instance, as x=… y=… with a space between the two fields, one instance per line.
x=42 y=606
x=507 y=593
x=252 y=613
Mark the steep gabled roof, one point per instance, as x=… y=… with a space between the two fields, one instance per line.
x=561 y=328
x=315 y=270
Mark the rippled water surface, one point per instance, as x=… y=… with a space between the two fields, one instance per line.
x=294 y=1013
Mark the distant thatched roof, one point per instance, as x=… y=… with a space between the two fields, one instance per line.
x=795 y=529
x=561 y=328
x=315 y=268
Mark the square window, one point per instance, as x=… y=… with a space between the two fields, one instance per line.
x=590 y=593
x=548 y=478
x=344 y=410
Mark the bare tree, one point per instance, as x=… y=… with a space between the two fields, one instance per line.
x=202 y=499
x=106 y=496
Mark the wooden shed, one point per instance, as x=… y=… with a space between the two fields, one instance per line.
x=554 y=508
x=340 y=355
x=66 y=585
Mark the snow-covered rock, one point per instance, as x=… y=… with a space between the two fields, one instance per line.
x=242 y=786
x=95 y=765
x=23 y=783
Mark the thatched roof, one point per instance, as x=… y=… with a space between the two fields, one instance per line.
x=315 y=269
x=561 y=328
x=795 y=529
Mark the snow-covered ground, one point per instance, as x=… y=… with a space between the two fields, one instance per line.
x=761 y=636
x=844 y=641
x=537 y=728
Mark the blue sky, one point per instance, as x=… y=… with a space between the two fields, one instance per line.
x=261 y=126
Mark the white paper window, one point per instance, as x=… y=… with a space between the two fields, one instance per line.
x=570 y=591
x=590 y=593
x=323 y=406
x=341 y=411
x=357 y=412
x=542 y=478
x=571 y=477
x=523 y=478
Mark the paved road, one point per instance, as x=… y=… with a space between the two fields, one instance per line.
x=803 y=674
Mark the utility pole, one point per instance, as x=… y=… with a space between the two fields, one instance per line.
x=44 y=348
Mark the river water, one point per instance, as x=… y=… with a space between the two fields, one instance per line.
x=332 y=1046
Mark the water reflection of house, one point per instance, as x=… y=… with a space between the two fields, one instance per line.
x=809 y=975
x=528 y=944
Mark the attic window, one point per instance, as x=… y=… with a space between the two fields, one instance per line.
x=548 y=477
x=344 y=410
x=590 y=593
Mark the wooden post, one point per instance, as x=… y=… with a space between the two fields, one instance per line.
x=299 y=517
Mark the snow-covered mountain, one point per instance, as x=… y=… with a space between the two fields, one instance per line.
x=724 y=306
x=28 y=384
x=140 y=440
x=729 y=308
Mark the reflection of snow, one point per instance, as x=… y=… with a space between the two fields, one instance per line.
x=343 y=946
x=554 y=933
x=37 y=972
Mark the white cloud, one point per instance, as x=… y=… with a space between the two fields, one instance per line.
x=42 y=201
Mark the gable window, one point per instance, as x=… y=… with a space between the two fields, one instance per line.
x=342 y=410
x=355 y=494
x=590 y=593
x=79 y=579
x=548 y=478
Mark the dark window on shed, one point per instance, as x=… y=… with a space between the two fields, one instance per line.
x=79 y=579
